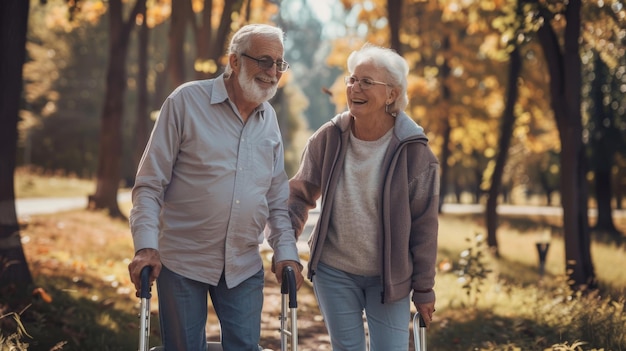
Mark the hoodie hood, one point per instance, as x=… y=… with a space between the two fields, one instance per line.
x=404 y=129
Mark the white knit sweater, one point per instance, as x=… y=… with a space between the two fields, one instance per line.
x=353 y=243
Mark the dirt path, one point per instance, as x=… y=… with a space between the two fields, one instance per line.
x=312 y=334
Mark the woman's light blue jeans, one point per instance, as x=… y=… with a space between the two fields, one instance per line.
x=183 y=312
x=342 y=298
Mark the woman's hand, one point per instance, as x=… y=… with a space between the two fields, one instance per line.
x=426 y=310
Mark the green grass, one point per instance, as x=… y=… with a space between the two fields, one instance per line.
x=30 y=183
x=80 y=259
x=516 y=308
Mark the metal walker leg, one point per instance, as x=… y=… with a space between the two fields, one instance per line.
x=419 y=332
x=288 y=289
x=144 y=322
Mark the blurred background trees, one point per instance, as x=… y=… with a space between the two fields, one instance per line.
x=523 y=100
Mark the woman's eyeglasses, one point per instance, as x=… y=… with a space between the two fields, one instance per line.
x=364 y=83
x=267 y=63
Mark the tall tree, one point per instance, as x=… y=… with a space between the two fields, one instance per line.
x=209 y=38
x=181 y=11
x=605 y=140
x=445 y=97
x=394 y=15
x=210 y=42
x=564 y=65
x=14 y=272
x=506 y=133
x=143 y=116
x=110 y=154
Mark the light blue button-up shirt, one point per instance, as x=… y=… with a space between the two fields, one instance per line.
x=208 y=184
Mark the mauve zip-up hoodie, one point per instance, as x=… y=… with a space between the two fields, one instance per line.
x=409 y=203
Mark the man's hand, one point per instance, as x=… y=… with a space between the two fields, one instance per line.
x=297 y=269
x=143 y=258
x=426 y=310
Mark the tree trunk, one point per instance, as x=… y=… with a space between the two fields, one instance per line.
x=444 y=104
x=203 y=32
x=223 y=30
x=565 y=92
x=394 y=15
x=211 y=44
x=546 y=187
x=478 y=178
x=248 y=10
x=620 y=184
x=605 y=224
x=506 y=132
x=15 y=276
x=110 y=154
x=443 y=162
x=143 y=116
x=602 y=144
x=458 y=191
x=176 y=55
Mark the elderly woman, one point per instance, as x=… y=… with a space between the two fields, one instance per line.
x=374 y=246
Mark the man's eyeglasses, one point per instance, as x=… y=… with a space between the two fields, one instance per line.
x=364 y=83
x=267 y=63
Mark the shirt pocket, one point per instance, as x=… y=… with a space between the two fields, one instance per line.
x=262 y=164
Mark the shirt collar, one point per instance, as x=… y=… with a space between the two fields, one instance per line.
x=220 y=94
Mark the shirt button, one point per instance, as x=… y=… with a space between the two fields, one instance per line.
x=237 y=201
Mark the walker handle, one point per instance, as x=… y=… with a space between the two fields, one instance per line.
x=145 y=282
x=289 y=286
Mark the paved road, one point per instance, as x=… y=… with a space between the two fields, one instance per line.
x=518 y=210
x=33 y=206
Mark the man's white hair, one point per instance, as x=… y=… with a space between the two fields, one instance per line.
x=242 y=39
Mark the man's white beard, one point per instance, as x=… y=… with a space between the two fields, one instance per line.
x=252 y=90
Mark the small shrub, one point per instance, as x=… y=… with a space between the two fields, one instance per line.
x=473 y=268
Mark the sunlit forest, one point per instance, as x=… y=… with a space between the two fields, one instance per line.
x=479 y=70
x=523 y=101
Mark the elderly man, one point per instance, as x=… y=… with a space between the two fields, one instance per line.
x=211 y=178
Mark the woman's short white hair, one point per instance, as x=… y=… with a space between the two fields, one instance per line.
x=394 y=66
x=242 y=39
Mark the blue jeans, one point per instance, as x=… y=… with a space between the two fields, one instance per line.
x=342 y=298
x=183 y=312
